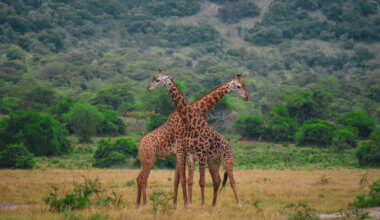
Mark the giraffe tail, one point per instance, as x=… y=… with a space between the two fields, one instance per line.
x=224 y=180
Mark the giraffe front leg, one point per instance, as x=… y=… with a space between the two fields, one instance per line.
x=190 y=178
x=181 y=161
x=176 y=183
x=202 y=173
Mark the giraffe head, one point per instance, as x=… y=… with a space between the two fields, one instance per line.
x=237 y=85
x=158 y=81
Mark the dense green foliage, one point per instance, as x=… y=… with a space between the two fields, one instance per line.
x=369 y=152
x=250 y=126
x=358 y=120
x=83 y=119
x=155 y=122
x=16 y=156
x=315 y=132
x=112 y=153
x=111 y=124
x=40 y=134
x=293 y=19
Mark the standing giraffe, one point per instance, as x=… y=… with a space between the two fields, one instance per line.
x=199 y=140
x=160 y=143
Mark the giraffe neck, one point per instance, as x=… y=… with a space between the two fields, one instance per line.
x=179 y=100
x=207 y=102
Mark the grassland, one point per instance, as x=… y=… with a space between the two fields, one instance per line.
x=264 y=193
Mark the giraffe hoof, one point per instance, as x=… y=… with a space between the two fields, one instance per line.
x=188 y=207
x=203 y=207
x=239 y=206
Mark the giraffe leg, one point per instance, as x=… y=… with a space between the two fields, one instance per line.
x=142 y=180
x=202 y=169
x=176 y=183
x=181 y=161
x=229 y=165
x=214 y=171
x=190 y=178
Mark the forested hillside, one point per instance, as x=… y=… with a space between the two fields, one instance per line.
x=305 y=63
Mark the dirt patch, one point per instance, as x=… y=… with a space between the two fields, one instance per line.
x=373 y=212
x=4 y=205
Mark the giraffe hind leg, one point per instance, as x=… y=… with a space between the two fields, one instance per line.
x=229 y=165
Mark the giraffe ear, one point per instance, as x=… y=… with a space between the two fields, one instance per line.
x=239 y=76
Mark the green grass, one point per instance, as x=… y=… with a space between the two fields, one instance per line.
x=272 y=156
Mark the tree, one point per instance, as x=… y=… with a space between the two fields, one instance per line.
x=250 y=126
x=83 y=119
x=40 y=134
x=108 y=153
x=280 y=126
x=111 y=124
x=315 y=132
x=155 y=122
x=305 y=105
x=115 y=95
x=358 y=120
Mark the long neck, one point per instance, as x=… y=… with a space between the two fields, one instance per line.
x=207 y=102
x=179 y=100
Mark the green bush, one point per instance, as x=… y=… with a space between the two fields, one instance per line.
x=368 y=153
x=344 y=138
x=372 y=199
x=315 y=132
x=16 y=156
x=155 y=122
x=111 y=124
x=108 y=153
x=358 y=120
x=250 y=126
x=281 y=127
x=90 y=192
x=84 y=119
x=40 y=134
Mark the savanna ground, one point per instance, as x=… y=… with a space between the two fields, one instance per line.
x=269 y=194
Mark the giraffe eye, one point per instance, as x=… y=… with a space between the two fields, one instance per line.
x=157 y=80
x=238 y=87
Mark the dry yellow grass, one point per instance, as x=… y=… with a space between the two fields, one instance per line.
x=323 y=190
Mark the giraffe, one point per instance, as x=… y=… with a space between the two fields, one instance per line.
x=201 y=142
x=160 y=143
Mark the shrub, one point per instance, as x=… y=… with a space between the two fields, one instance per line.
x=109 y=154
x=344 y=138
x=84 y=194
x=250 y=126
x=155 y=122
x=368 y=153
x=161 y=201
x=315 y=132
x=280 y=127
x=16 y=156
x=111 y=124
x=40 y=134
x=358 y=120
x=83 y=118
x=372 y=199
